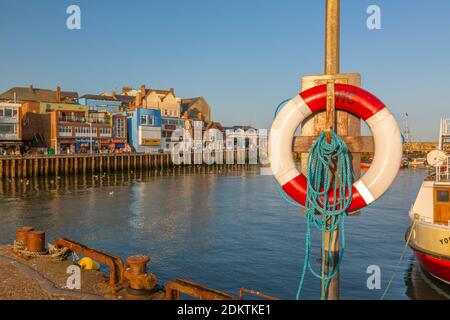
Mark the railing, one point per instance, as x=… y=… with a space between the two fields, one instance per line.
x=443 y=171
x=446 y=126
x=72 y=119
x=100 y=121
x=85 y=135
x=65 y=134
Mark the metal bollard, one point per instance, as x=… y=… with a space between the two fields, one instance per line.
x=22 y=233
x=139 y=281
x=36 y=241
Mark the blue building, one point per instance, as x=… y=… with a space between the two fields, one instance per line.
x=101 y=103
x=144 y=130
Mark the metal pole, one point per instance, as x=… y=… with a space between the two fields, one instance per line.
x=332 y=47
x=332 y=37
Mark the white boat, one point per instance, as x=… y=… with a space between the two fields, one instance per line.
x=429 y=233
x=418 y=163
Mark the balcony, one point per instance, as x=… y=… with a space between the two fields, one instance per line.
x=86 y=135
x=71 y=119
x=100 y=121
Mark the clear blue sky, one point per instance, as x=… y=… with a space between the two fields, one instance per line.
x=244 y=56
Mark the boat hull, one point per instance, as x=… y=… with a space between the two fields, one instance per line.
x=435 y=266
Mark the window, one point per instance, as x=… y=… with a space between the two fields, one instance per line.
x=442 y=196
x=147 y=120
x=119 y=128
x=65 y=131
x=1 y=112
x=105 y=131
x=8 y=112
x=8 y=128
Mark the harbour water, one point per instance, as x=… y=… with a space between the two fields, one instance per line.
x=225 y=230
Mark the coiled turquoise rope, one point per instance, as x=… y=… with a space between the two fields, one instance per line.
x=320 y=213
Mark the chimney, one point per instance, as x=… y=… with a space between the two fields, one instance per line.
x=172 y=90
x=58 y=94
x=143 y=90
x=30 y=88
x=114 y=95
x=138 y=100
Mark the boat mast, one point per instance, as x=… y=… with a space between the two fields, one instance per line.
x=407 y=132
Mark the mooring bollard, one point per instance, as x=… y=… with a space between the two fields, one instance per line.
x=138 y=264
x=21 y=237
x=36 y=241
x=140 y=282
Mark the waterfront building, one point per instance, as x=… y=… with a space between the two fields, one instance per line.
x=196 y=106
x=22 y=94
x=169 y=126
x=10 y=128
x=101 y=103
x=144 y=130
x=119 y=132
x=163 y=100
x=41 y=122
x=69 y=131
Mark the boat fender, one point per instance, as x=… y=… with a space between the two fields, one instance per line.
x=88 y=264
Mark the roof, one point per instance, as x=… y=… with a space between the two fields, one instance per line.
x=147 y=91
x=70 y=94
x=188 y=102
x=215 y=125
x=36 y=94
x=97 y=97
x=245 y=128
x=124 y=98
x=119 y=98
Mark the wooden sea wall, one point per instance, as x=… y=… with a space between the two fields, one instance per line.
x=60 y=165
x=55 y=165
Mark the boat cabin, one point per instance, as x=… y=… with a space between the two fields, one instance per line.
x=433 y=201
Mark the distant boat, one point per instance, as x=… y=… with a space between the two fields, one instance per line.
x=418 y=163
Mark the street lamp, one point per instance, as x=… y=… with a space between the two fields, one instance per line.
x=90 y=137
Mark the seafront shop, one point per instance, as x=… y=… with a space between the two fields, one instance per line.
x=100 y=146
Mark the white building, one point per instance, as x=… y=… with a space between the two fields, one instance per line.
x=10 y=129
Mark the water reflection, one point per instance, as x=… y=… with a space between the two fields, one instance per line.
x=226 y=227
x=422 y=286
x=18 y=187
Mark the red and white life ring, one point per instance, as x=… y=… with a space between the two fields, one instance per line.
x=387 y=137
